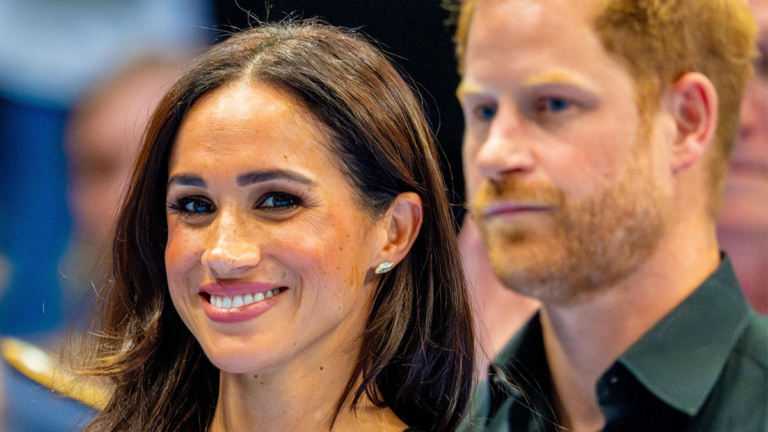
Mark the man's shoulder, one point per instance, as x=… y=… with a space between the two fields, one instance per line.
x=738 y=400
x=752 y=346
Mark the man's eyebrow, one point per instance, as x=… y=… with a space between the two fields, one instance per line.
x=186 y=180
x=262 y=176
x=467 y=87
x=555 y=77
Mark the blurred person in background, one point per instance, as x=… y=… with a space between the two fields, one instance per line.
x=102 y=137
x=743 y=225
x=50 y=52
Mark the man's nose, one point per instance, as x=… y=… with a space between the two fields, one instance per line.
x=230 y=252
x=505 y=150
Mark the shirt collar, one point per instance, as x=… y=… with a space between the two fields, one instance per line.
x=525 y=350
x=680 y=358
x=520 y=372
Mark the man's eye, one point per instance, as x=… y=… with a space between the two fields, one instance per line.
x=279 y=201
x=486 y=112
x=554 y=104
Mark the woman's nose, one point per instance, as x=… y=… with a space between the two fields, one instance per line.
x=230 y=252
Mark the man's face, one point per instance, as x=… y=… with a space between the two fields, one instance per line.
x=568 y=181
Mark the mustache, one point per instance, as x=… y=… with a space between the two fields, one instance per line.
x=511 y=189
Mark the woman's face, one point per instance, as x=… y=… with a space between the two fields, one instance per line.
x=269 y=256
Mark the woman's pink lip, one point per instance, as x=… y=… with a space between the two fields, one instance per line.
x=238 y=314
x=237 y=288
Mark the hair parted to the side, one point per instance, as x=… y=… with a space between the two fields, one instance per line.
x=659 y=41
x=417 y=347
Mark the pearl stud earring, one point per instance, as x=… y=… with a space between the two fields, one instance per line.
x=384 y=267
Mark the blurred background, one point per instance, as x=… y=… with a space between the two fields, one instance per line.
x=78 y=80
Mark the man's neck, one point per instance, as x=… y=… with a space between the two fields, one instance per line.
x=584 y=339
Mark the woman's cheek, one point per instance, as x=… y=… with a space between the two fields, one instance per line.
x=183 y=253
x=180 y=264
x=173 y=251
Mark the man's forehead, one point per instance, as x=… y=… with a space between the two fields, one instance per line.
x=525 y=10
x=546 y=46
x=531 y=21
x=533 y=9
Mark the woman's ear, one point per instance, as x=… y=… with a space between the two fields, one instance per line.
x=692 y=103
x=403 y=222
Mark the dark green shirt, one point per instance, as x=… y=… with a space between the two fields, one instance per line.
x=704 y=367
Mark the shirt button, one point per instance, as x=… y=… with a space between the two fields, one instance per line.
x=614 y=379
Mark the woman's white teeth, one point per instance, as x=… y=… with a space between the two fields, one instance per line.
x=225 y=302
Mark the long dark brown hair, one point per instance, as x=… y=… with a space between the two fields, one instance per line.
x=417 y=346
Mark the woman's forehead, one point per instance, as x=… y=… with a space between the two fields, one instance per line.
x=252 y=128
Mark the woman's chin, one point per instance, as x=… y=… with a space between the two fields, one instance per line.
x=235 y=365
x=237 y=361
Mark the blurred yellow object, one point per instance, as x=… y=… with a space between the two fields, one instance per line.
x=44 y=368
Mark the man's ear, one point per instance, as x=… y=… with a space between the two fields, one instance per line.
x=692 y=102
x=403 y=222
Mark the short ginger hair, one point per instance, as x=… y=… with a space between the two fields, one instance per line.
x=659 y=41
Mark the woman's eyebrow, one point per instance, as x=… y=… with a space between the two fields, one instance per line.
x=186 y=180
x=262 y=176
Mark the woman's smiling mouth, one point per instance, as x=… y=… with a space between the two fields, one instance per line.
x=226 y=302
x=236 y=302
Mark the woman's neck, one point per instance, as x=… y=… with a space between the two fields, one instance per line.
x=303 y=397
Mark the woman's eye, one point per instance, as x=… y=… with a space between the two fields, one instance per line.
x=192 y=206
x=279 y=201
